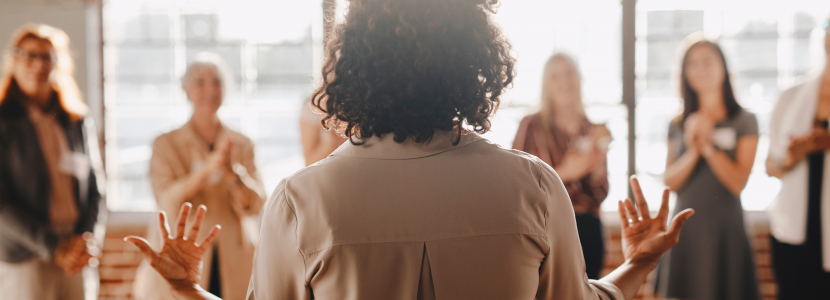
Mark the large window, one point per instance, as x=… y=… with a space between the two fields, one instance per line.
x=768 y=47
x=268 y=47
x=274 y=51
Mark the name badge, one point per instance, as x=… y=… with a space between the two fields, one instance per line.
x=75 y=164
x=725 y=138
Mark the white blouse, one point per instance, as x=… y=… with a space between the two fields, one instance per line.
x=793 y=115
x=422 y=221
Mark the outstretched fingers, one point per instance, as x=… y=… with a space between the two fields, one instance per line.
x=164 y=228
x=208 y=241
x=638 y=196
x=663 y=214
x=623 y=217
x=142 y=245
x=677 y=224
x=197 y=223
x=632 y=211
x=182 y=220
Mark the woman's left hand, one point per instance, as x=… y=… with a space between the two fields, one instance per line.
x=180 y=259
x=645 y=239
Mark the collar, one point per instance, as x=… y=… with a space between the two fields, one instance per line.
x=386 y=148
x=189 y=129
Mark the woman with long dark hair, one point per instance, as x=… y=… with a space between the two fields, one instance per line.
x=711 y=151
x=418 y=205
x=50 y=170
x=562 y=136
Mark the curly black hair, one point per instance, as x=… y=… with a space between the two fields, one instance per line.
x=409 y=67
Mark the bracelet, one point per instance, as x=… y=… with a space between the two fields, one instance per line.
x=239 y=170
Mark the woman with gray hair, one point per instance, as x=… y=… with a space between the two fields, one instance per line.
x=206 y=163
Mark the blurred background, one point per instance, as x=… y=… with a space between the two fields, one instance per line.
x=131 y=55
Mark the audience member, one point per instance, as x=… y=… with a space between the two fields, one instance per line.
x=711 y=149
x=50 y=170
x=318 y=142
x=799 y=145
x=204 y=162
x=562 y=136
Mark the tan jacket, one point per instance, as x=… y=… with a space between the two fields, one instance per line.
x=423 y=221
x=175 y=155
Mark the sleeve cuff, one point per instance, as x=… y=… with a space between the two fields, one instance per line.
x=610 y=291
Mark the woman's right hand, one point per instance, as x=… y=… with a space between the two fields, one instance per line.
x=180 y=259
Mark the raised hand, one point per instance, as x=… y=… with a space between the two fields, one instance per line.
x=645 y=239
x=180 y=258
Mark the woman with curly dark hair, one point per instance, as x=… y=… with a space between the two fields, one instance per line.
x=418 y=205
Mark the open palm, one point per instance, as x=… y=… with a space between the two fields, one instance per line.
x=646 y=238
x=180 y=258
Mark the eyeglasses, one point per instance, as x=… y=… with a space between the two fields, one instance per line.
x=30 y=57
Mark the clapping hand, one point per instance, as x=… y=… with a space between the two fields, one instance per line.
x=74 y=253
x=645 y=239
x=698 y=131
x=803 y=145
x=180 y=258
x=220 y=157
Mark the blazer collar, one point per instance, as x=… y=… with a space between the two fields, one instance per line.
x=386 y=148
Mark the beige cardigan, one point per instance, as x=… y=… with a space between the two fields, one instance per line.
x=422 y=221
x=175 y=155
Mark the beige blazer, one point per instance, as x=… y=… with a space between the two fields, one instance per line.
x=175 y=155
x=423 y=221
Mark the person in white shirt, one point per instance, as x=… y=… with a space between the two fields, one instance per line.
x=799 y=156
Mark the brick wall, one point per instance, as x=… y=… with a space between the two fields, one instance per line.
x=120 y=260
x=118 y=263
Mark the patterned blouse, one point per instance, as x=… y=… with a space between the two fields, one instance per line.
x=587 y=192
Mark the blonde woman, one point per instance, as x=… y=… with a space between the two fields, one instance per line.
x=204 y=162
x=49 y=162
x=561 y=135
